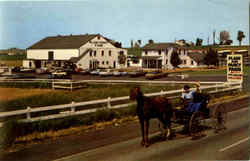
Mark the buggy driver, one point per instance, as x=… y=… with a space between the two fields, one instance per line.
x=187 y=95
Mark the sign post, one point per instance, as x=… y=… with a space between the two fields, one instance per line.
x=234 y=68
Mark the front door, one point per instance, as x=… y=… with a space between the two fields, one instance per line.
x=38 y=63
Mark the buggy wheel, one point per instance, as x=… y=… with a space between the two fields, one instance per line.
x=196 y=123
x=220 y=117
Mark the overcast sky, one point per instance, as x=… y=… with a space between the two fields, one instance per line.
x=24 y=23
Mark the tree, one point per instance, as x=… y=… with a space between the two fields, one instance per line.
x=224 y=37
x=211 y=58
x=138 y=44
x=240 y=36
x=175 y=59
x=150 y=41
x=118 y=44
x=198 y=42
x=214 y=34
x=122 y=59
x=132 y=43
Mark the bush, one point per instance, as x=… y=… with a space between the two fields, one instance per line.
x=9 y=132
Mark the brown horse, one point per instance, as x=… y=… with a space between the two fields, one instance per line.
x=147 y=108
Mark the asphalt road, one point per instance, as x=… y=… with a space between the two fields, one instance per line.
x=229 y=145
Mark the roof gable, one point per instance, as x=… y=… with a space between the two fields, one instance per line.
x=196 y=56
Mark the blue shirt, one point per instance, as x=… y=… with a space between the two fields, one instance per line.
x=188 y=95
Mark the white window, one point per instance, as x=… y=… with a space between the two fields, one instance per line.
x=192 y=62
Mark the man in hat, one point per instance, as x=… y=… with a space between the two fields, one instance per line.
x=187 y=95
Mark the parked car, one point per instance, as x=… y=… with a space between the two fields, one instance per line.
x=108 y=72
x=20 y=76
x=60 y=74
x=136 y=73
x=84 y=72
x=117 y=73
x=95 y=72
x=42 y=70
x=27 y=70
x=155 y=75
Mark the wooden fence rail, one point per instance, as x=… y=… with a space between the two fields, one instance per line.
x=71 y=106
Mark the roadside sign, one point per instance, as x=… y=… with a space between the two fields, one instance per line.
x=234 y=68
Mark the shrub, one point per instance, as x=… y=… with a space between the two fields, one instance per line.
x=9 y=132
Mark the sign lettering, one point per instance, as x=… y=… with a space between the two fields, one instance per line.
x=234 y=68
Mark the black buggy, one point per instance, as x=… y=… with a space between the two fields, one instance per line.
x=199 y=116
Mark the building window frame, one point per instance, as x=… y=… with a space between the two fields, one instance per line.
x=50 y=55
x=102 y=52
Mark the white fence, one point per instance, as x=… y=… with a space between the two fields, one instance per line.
x=72 y=106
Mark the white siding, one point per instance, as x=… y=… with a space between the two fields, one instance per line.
x=99 y=45
x=59 y=54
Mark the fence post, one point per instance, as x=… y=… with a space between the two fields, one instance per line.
x=28 y=113
x=71 y=86
x=72 y=107
x=216 y=88
x=241 y=86
x=53 y=84
x=108 y=102
x=162 y=92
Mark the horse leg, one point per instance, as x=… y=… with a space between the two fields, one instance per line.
x=167 y=126
x=161 y=128
x=146 y=127
x=142 y=131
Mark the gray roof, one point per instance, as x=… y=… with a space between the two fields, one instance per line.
x=158 y=46
x=63 y=42
x=198 y=57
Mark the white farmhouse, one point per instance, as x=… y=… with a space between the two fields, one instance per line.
x=85 y=51
x=158 y=55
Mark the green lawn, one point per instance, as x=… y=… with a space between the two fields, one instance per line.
x=214 y=72
x=93 y=92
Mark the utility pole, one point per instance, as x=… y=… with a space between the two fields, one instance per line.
x=214 y=32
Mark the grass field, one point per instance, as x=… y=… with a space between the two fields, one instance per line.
x=14 y=98
x=8 y=94
x=15 y=63
x=212 y=71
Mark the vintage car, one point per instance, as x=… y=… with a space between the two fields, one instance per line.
x=155 y=75
x=20 y=76
x=60 y=74
x=95 y=72
x=84 y=72
x=107 y=72
x=120 y=73
x=137 y=73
